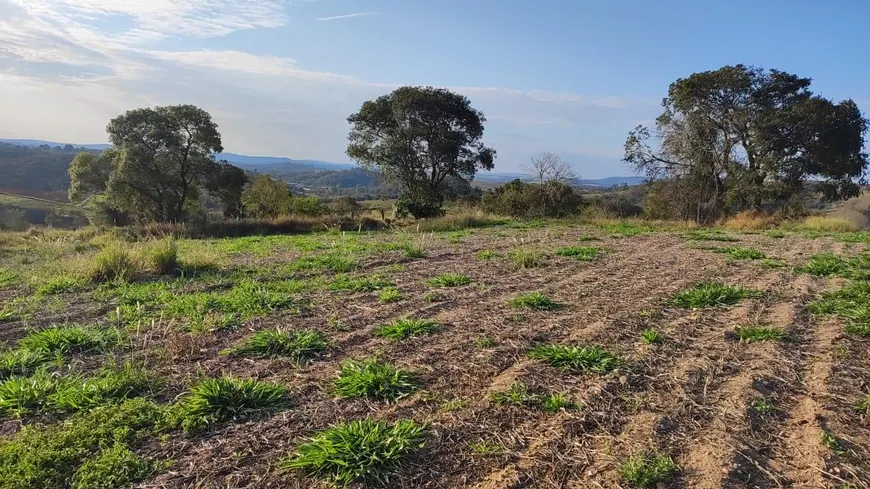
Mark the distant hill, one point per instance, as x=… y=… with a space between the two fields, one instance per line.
x=282 y=164
x=34 y=143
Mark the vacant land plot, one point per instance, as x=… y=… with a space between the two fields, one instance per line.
x=507 y=357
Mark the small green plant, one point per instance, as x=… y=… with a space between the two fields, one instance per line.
x=116 y=466
x=763 y=406
x=21 y=362
x=162 y=257
x=775 y=234
x=484 y=447
x=390 y=295
x=223 y=399
x=413 y=251
x=864 y=405
x=526 y=258
x=62 y=284
x=358 y=451
x=712 y=294
x=832 y=442
x=592 y=359
x=72 y=339
x=296 y=345
x=773 y=263
x=486 y=255
x=758 y=332
x=448 y=280
x=738 y=253
x=484 y=343
x=372 y=378
x=7 y=278
x=454 y=404
x=652 y=337
x=534 y=300
x=582 y=253
x=555 y=402
x=401 y=329
x=517 y=394
x=647 y=469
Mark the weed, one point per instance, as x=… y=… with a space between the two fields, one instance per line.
x=372 y=378
x=484 y=343
x=226 y=398
x=62 y=284
x=739 y=253
x=712 y=294
x=758 y=332
x=584 y=239
x=116 y=466
x=72 y=339
x=111 y=386
x=526 y=258
x=446 y=280
x=390 y=295
x=406 y=327
x=591 y=359
x=298 y=345
x=652 y=337
x=832 y=442
x=413 y=251
x=21 y=395
x=555 y=402
x=162 y=257
x=454 y=404
x=360 y=284
x=361 y=450
x=7 y=278
x=212 y=322
x=486 y=255
x=625 y=229
x=582 y=253
x=647 y=469
x=534 y=300
x=775 y=234
x=483 y=447
x=21 y=362
x=517 y=394
x=763 y=406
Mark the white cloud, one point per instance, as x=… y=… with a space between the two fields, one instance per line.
x=349 y=16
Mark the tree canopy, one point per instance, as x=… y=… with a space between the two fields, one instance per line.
x=416 y=137
x=743 y=137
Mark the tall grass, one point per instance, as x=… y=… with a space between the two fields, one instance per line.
x=161 y=256
x=828 y=224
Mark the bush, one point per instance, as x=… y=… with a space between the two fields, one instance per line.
x=419 y=208
x=307 y=206
x=528 y=200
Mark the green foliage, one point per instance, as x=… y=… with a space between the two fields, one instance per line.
x=758 y=332
x=72 y=339
x=773 y=263
x=403 y=328
x=652 y=337
x=21 y=362
x=87 y=451
x=21 y=395
x=62 y=284
x=162 y=257
x=647 y=469
x=344 y=283
x=588 y=359
x=223 y=399
x=525 y=258
x=413 y=251
x=449 y=280
x=7 y=278
x=390 y=295
x=517 y=394
x=852 y=303
x=331 y=261
x=358 y=451
x=582 y=253
x=555 y=402
x=627 y=229
x=533 y=200
x=111 y=386
x=738 y=253
x=486 y=255
x=826 y=265
x=832 y=442
x=534 y=300
x=297 y=345
x=372 y=378
x=388 y=134
x=864 y=405
x=266 y=197
x=763 y=406
x=113 y=263
x=307 y=206
x=712 y=294
x=483 y=447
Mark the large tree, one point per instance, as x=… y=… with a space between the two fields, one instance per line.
x=161 y=158
x=416 y=137
x=743 y=138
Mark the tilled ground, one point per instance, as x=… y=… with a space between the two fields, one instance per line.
x=690 y=397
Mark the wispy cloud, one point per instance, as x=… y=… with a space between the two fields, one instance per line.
x=349 y=16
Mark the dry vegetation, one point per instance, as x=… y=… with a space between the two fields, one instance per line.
x=542 y=354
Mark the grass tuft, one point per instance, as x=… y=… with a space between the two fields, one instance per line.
x=534 y=300
x=358 y=451
x=581 y=253
x=555 y=402
x=161 y=257
x=21 y=362
x=758 y=332
x=401 y=329
x=62 y=284
x=647 y=469
x=372 y=378
x=739 y=253
x=390 y=295
x=486 y=255
x=517 y=394
x=826 y=265
x=763 y=406
x=72 y=339
x=21 y=395
x=864 y=405
x=483 y=447
x=112 y=386
x=526 y=258
x=712 y=294
x=652 y=337
x=225 y=399
x=360 y=284
x=296 y=345
x=448 y=280
x=832 y=442
x=590 y=359
x=114 y=263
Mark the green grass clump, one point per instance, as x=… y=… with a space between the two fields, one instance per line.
x=401 y=329
x=592 y=359
x=161 y=257
x=296 y=345
x=652 y=337
x=763 y=406
x=852 y=303
x=483 y=447
x=372 y=378
x=360 y=284
x=111 y=386
x=826 y=265
x=448 y=280
x=390 y=295
x=62 y=284
x=412 y=251
x=526 y=258
x=7 y=278
x=22 y=395
x=534 y=300
x=582 y=253
x=21 y=362
x=712 y=294
x=832 y=442
x=773 y=263
x=647 y=469
x=226 y=398
x=358 y=451
x=486 y=255
x=517 y=394
x=864 y=405
x=739 y=253
x=114 y=262
x=758 y=332
x=555 y=402
x=72 y=339
x=90 y=450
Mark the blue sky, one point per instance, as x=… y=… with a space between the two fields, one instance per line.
x=280 y=77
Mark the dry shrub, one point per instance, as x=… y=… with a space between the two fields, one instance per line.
x=751 y=221
x=828 y=224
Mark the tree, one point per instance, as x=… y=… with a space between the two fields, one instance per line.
x=746 y=138
x=227 y=184
x=266 y=197
x=547 y=167
x=416 y=137
x=346 y=206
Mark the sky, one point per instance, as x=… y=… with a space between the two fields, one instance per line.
x=280 y=77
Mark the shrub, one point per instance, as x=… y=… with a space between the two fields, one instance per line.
x=582 y=253
x=591 y=359
x=71 y=339
x=226 y=399
x=298 y=345
x=534 y=300
x=358 y=451
x=529 y=200
x=711 y=294
x=647 y=469
x=372 y=378
x=448 y=280
x=114 y=262
x=406 y=327
x=162 y=257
